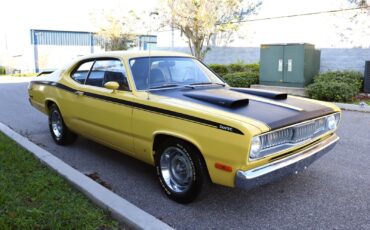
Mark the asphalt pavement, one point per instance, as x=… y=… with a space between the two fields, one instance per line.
x=333 y=193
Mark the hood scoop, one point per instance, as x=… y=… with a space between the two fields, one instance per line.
x=262 y=93
x=227 y=98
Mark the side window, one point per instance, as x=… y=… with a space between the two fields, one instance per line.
x=104 y=71
x=82 y=71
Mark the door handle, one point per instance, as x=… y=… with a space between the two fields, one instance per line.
x=79 y=93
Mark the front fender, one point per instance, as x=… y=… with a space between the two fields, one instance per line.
x=179 y=136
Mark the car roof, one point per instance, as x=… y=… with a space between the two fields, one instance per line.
x=134 y=54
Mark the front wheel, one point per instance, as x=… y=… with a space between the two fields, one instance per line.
x=180 y=170
x=58 y=130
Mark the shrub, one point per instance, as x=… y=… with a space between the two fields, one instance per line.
x=252 y=67
x=233 y=68
x=2 y=70
x=222 y=69
x=219 y=69
x=241 y=79
x=349 y=77
x=331 y=91
x=336 y=86
x=24 y=74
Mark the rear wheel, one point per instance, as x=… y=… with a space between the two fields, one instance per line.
x=180 y=170
x=58 y=130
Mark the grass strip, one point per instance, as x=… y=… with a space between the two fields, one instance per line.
x=34 y=197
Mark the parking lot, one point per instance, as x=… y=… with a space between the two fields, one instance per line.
x=334 y=193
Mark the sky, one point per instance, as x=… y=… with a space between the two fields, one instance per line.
x=18 y=17
x=74 y=14
x=59 y=15
x=323 y=30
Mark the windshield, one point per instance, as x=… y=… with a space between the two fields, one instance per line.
x=160 y=72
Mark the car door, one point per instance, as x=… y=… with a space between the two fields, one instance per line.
x=103 y=114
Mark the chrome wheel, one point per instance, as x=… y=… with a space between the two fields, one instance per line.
x=56 y=123
x=176 y=169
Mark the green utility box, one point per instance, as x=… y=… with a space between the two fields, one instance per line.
x=292 y=65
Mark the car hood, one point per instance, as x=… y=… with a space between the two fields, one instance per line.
x=272 y=108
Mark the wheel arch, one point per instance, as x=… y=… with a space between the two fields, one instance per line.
x=161 y=135
x=48 y=103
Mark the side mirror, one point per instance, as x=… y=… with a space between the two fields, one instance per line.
x=113 y=85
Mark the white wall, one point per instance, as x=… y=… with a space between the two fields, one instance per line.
x=331 y=58
x=52 y=57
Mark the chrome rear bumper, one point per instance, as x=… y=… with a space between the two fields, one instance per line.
x=285 y=166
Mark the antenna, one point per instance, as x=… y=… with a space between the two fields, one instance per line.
x=152 y=16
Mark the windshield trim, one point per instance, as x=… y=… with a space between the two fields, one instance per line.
x=176 y=56
x=216 y=74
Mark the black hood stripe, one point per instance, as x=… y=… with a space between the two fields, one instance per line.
x=272 y=112
x=147 y=108
x=262 y=93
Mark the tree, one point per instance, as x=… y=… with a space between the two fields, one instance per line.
x=200 y=20
x=116 y=32
x=354 y=26
x=360 y=3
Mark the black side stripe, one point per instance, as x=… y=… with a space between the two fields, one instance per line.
x=147 y=108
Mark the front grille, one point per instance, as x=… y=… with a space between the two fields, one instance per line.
x=307 y=131
x=294 y=134
x=277 y=138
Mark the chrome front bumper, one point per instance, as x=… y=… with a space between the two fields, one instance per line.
x=278 y=169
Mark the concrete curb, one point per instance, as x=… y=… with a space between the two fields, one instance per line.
x=353 y=107
x=120 y=208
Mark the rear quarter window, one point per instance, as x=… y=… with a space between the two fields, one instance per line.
x=81 y=72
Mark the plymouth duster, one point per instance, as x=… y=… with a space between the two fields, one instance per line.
x=171 y=111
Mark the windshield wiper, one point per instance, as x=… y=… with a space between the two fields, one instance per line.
x=207 y=83
x=164 y=86
x=201 y=83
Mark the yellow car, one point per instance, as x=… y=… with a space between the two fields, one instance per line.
x=171 y=111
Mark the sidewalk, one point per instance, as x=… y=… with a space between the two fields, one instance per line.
x=354 y=107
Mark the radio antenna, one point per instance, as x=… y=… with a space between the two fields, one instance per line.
x=152 y=17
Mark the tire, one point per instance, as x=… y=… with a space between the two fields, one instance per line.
x=181 y=170
x=58 y=130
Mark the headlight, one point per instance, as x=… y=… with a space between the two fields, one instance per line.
x=331 y=122
x=255 y=147
x=337 y=118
